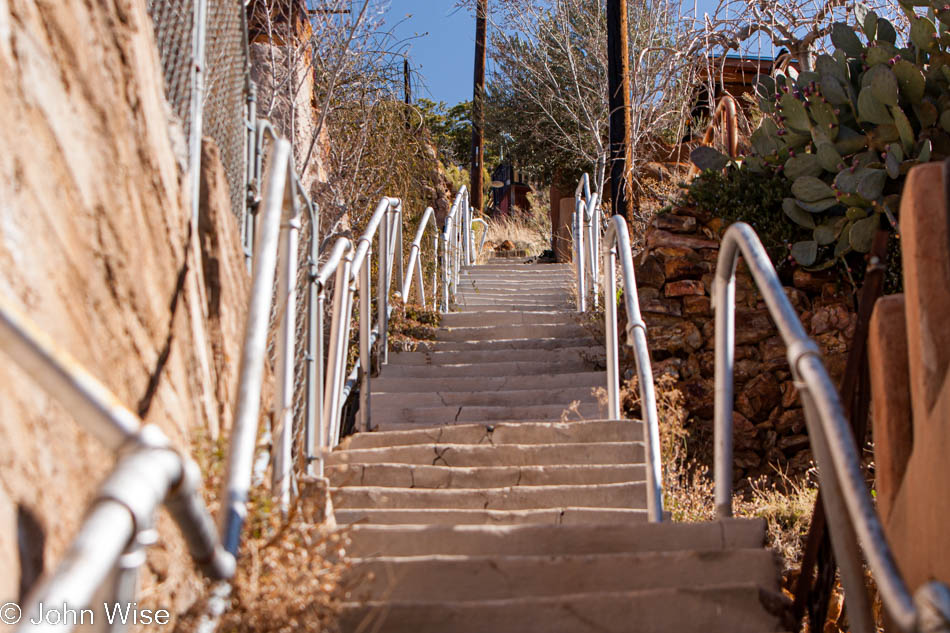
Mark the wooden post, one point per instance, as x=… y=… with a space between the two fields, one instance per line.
x=407 y=90
x=478 y=115
x=618 y=86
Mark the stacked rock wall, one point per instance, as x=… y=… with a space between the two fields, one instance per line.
x=674 y=280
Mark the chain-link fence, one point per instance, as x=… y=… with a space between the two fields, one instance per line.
x=224 y=74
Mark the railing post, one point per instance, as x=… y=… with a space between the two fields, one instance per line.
x=724 y=296
x=287 y=313
x=316 y=451
x=580 y=254
x=339 y=331
x=610 y=316
x=382 y=291
x=366 y=319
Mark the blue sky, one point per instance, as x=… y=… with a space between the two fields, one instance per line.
x=444 y=51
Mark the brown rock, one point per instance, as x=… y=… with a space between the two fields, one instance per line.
x=707 y=363
x=797 y=298
x=831 y=343
x=801 y=462
x=789 y=395
x=759 y=396
x=791 y=421
x=682 y=268
x=675 y=223
x=743 y=432
x=684 y=287
x=662 y=238
x=695 y=305
x=682 y=337
x=810 y=281
x=647 y=293
x=662 y=306
x=747 y=459
x=747 y=351
x=670 y=366
x=746 y=369
x=698 y=396
x=753 y=326
x=649 y=273
x=772 y=348
x=673 y=251
x=836 y=364
x=831 y=318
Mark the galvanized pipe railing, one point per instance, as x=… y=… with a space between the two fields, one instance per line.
x=149 y=473
x=415 y=261
x=853 y=524
x=617 y=244
x=586 y=227
x=457 y=246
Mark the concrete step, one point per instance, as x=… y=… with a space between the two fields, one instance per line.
x=506 y=317
x=494 y=455
x=527 y=397
x=455 y=414
x=733 y=608
x=509 y=331
x=550 y=516
x=508 y=265
x=480 y=370
x=477 y=305
x=465 y=357
x=396 y=380
x=526 y=540
x=479 y=285
x=504 y=433
x=416 y=476
x=630 y=494
x=509 y=343
x=513 y=296
x=495 y=577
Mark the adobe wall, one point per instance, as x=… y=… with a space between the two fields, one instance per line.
x=94 y=246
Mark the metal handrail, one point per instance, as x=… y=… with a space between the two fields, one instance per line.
x=853 y=524
x=587 y=255
x=617 y=244
x=415 y=261
x=586 y=227
x=456 y=244
x=149 y=473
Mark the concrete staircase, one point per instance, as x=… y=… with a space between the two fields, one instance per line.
x=493 y=498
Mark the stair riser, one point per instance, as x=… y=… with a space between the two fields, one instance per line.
x=620 y=495
x=391 y=383
x=523 y=344
x=538 y=397
x=513 y=370
x=506 y=317
x=461 y=414
x=404 y=476
x=505 y=433
x=526 y=331
x=709 y=610
x=557 y=516
x=499 y=577
x=528 y=540
x=502 y=455
x=497 y=356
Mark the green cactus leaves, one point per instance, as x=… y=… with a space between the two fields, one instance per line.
x=862 y=233
x=826 y=234
x=794 y=114
x=871 y=183
x=828 y=157
x=922 y=33
x=811 y=189
x=797 y=214
x=844 y=38
x=805 y=253
x=886 y=31
x=871 y=109
x=883 y=83
x=765 y=139
x=910 y=80
x=803 y=165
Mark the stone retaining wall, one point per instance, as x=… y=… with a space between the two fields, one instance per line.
x=674 y=279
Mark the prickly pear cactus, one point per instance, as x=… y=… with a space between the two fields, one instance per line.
x=847 y=133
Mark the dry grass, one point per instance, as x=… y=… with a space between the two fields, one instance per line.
x=528 y=231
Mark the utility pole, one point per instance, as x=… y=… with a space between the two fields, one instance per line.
x=618 y=86
x=478 y=114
